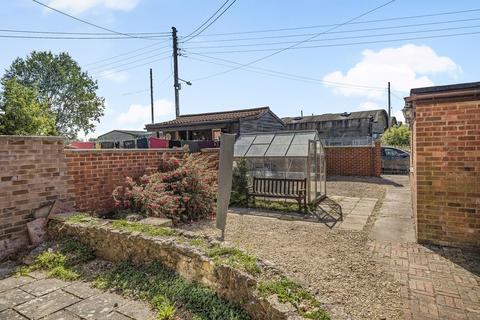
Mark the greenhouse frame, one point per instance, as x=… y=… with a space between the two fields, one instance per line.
x=285 y=155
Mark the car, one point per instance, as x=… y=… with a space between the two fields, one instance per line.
x=395 y=160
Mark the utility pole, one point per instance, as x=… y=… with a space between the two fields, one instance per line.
x=151 y=93
x=389 y=107
x=176 y=84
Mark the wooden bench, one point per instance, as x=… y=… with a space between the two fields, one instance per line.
x=280 y=188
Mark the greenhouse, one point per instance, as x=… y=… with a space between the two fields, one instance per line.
x=285 y=155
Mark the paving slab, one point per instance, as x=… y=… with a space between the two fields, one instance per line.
x=117 y=316
x=11 y=314
x=14 y=282
x=45 y=305
x=98 y=307
x=13 y=297
x=44 y=286
x=62 y=315
x=82 y=290
x=137 y=310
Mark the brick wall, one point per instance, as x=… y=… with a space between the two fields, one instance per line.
x=354 y=160
x=446 y=177
x=32 y=174
x=96 y=173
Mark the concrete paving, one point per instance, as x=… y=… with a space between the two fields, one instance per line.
x=395 y=220
x=31 y=298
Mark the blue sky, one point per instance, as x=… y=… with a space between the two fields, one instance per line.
x=406 y=63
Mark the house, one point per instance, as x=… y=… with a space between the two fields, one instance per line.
x=121 y=138
x=353 y=125
x=208 y=126
x=445 y=163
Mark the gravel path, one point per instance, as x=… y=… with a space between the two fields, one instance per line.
x=336 y=264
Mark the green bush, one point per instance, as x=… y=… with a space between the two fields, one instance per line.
x=396 y=136
x=239 y=184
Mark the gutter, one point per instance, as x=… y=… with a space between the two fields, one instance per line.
x=475 y=93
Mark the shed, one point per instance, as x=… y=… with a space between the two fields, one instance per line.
x=118 y=138
x=209 y=126
x=285 y=154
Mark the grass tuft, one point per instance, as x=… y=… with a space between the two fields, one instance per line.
x=79 y=218
x=289 y=291
x=145 y=229
x=234 y=257
x=63 y=273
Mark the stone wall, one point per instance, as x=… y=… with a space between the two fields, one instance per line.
x=232 y=284
x=354 y=160
x=33 y=173
x=446 y=171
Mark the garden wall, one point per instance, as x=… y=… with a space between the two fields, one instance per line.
x=95 y=173
x=354 y=160
x=33 y=172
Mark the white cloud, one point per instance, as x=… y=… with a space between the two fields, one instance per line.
x=405 y=67
x=399 y=116
x=138 y=115
x=80 y=6
x=369 y=105
x=114 y=76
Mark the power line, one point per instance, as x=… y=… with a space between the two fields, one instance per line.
x=141 y=59
x=147 y=90
x=336 y=32
x=206 y=21
x=74 y=38
x=158 y=34
x=277 y=51
x=283 y=74
x=350 y=23
x=338 y=38
x=347 y=44
x=106 y=74
x=86 y=22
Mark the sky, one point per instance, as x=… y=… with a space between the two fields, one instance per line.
x=342 y=68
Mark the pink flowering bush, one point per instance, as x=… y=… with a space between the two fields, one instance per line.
x=183 y=190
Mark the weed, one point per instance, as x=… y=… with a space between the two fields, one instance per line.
x=79 y=218
x=75 y=251
x=63 y=273
x=289 y=291
x=145 y=229
x=234 y=257
x=199 y=243
x=49 y=260
x=164 y=288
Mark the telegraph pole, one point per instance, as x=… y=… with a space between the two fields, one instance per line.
x=176 y=84
x=151 y=93
x=389 y=106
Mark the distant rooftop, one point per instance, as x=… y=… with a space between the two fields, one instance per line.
x=335 y=116
x=450 y=87
x=222 y=116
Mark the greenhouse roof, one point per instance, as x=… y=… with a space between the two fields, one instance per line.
x=274 y=144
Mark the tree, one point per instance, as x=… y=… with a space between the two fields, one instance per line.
x=397 y=136
x=60 y=83
x=23 y=114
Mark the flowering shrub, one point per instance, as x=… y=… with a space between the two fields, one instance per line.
x=180 y=190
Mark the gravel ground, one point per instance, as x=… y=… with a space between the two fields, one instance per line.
x=335 y=264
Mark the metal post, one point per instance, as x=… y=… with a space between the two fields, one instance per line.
x=389 y=107
x=151 y=94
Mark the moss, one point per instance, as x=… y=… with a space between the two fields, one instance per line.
x=198 y=243
x=234 y=257
x=81 y=218
x=289 y=291
x=145 y=229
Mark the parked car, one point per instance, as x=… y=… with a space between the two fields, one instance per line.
x=395 y=160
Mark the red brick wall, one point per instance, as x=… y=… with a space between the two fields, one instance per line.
x=446 y=181
x=33 y=173
x=96 y=173
x=354 y=161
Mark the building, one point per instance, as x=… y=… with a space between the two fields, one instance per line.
x=121 y=138
x=208 y=126
x=342 y=126
x=445 y=163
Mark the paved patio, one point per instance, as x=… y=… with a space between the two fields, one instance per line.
x=437 y=282
x=35 y=297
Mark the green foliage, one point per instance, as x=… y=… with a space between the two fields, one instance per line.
x=145 y=229
x=396 y=136
x=75 y=251
x=63 y=273
x=49 y=260
x=239 y=184
x=199 y=243
x=23 y=113
x=60 y=84
x=78 y=218
x=234 y=257
x=289 y=291
x=164 y=288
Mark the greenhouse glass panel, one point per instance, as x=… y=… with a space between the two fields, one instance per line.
x=257 y=150
x=263 y=139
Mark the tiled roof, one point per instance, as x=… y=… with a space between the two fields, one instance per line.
x=335 y=116
x=213 y=117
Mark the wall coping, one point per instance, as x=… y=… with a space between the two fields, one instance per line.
x=368 y=146
x=39 y=138
x=164 y=150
